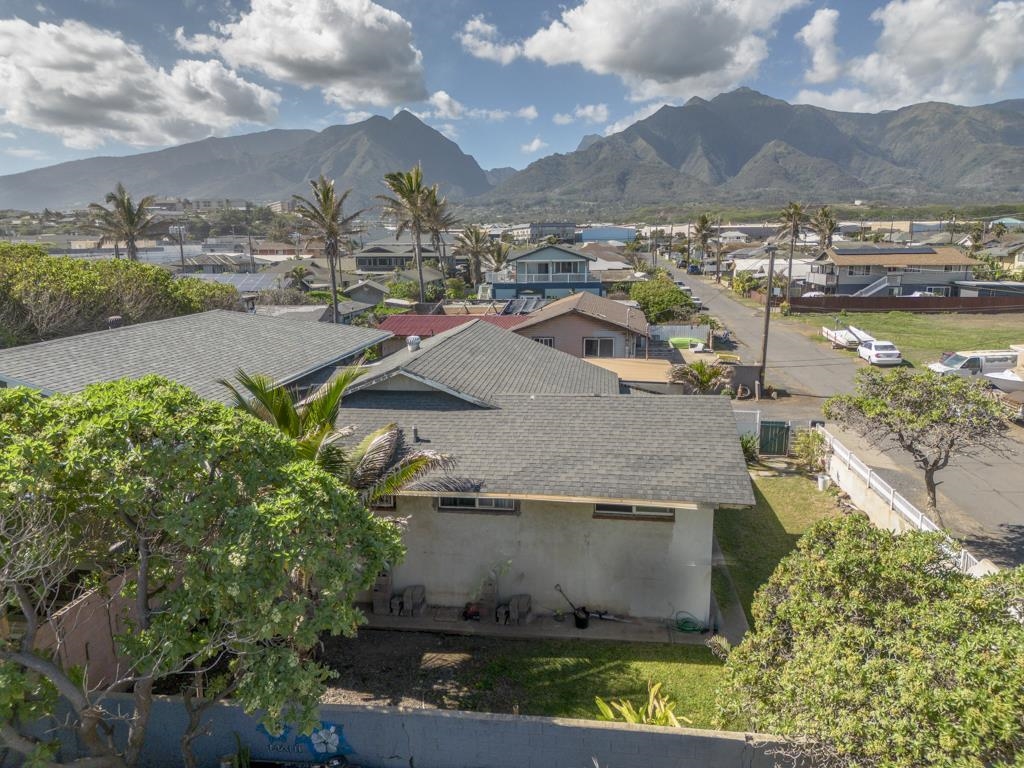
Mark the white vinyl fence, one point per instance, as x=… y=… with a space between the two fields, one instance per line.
x=875 y=486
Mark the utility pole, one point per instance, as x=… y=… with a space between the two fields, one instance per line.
x=771 y=248
x=181 y=247
x=718 y=251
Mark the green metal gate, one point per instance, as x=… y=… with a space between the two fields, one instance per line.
x=774 y=438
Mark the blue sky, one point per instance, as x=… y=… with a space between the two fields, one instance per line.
x=510 y=80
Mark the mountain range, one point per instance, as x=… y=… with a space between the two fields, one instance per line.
x=740 y=147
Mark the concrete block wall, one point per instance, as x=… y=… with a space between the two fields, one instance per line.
x=400 y=738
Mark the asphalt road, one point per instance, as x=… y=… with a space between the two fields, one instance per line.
x=981 y=499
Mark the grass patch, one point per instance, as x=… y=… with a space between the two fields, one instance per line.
x=922 y=338
x=561 y=678
x=754 y=540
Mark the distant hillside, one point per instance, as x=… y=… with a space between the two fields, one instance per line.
x=747 y=148
x=587 y=140
x=497 y=176
x=272 y=165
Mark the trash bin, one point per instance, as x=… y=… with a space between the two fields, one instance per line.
x=823 y=482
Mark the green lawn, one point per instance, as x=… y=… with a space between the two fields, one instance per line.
x=922 y=338
x=755 y=540
x=561 y=678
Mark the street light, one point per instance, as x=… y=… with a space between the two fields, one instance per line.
x=771 y=248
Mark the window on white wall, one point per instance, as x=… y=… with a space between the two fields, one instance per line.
x=636 y=511
x=547 y=341
x=476 y=504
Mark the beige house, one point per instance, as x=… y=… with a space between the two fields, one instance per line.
x=587 y=325
x=560 y=479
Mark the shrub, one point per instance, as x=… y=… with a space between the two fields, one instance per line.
x=751 y=448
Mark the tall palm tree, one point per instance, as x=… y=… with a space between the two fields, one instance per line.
x=702 y=232
x=497 y=256
x=380 y=465
x=324 y=216
x=438 y=219
x=124 y=221
x=473 y=244
x=701 y=377
x=792 y=217
x=407 y=205
x=824 y=225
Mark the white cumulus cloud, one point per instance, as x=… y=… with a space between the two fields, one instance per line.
x=356 y=51
x=661 y=49
x=960 y=51
x=590 y=113
x=25 y=152
x=819 y=35
x=444 y=106
x=480 y=38
x=534 y=146
x=89 y=86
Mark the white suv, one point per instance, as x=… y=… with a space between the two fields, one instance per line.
x=880 y=353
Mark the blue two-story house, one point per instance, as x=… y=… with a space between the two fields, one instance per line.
x=551 y=271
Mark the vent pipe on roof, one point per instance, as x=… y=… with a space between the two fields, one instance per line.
x=413 y=343
x=115 y=321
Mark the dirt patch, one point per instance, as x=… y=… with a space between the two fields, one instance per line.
x=408 y=669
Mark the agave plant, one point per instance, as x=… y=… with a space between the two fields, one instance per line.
x=702 y=377
x=380 y=465
x=659 y=709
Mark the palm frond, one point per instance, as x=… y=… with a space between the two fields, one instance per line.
x=374 y=455
x=411 y=468
x=324 y=405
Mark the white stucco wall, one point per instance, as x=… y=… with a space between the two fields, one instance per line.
x=635 y=567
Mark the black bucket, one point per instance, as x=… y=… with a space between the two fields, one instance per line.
x=582 y=618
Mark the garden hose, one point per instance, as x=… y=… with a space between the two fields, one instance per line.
x=684 y=621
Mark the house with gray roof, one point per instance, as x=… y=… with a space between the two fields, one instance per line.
x=586 y=325
x=560 y=478
x=195 y=350
x=552 y=271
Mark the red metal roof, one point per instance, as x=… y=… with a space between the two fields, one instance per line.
x=431 y=325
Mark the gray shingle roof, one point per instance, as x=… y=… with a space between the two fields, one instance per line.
x=611 y=447
x=479 y=360
x=194 y=350
x=591 y=305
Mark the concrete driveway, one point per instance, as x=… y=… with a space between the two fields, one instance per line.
x=981 y=499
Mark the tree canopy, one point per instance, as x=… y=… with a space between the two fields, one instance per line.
x=932 y=418
x=45 y=297
x=871 y=649
x=660 y=300
x=236 y=555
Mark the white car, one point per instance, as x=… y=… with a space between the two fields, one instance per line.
x=880 y=353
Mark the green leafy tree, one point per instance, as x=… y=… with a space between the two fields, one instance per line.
x=660 y=300
x=236 y=554
x=407 y=205
x=124 y=221
x=932 y=418
x=473 y=244
x=871 y=649
x=744 y=282
x=792 y=217
x=701 y=377
x=403 y=289
x=455 y=288
x=44 y=297
x=297 y=275
x=324 y=217
x=380 y=465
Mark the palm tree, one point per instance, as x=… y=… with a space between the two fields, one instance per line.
x=379 y=466
x=824 y=225
x=702 y=377
x=438 y=219
x=702 y=232
x=792 y=217
x=496 y=258
x=998 y=230
x=296 y=275
x=323 y=215
x=407 y=205
x=122 y=221
x=473 y=244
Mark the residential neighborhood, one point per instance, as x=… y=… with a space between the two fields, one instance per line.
x=499 y=385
